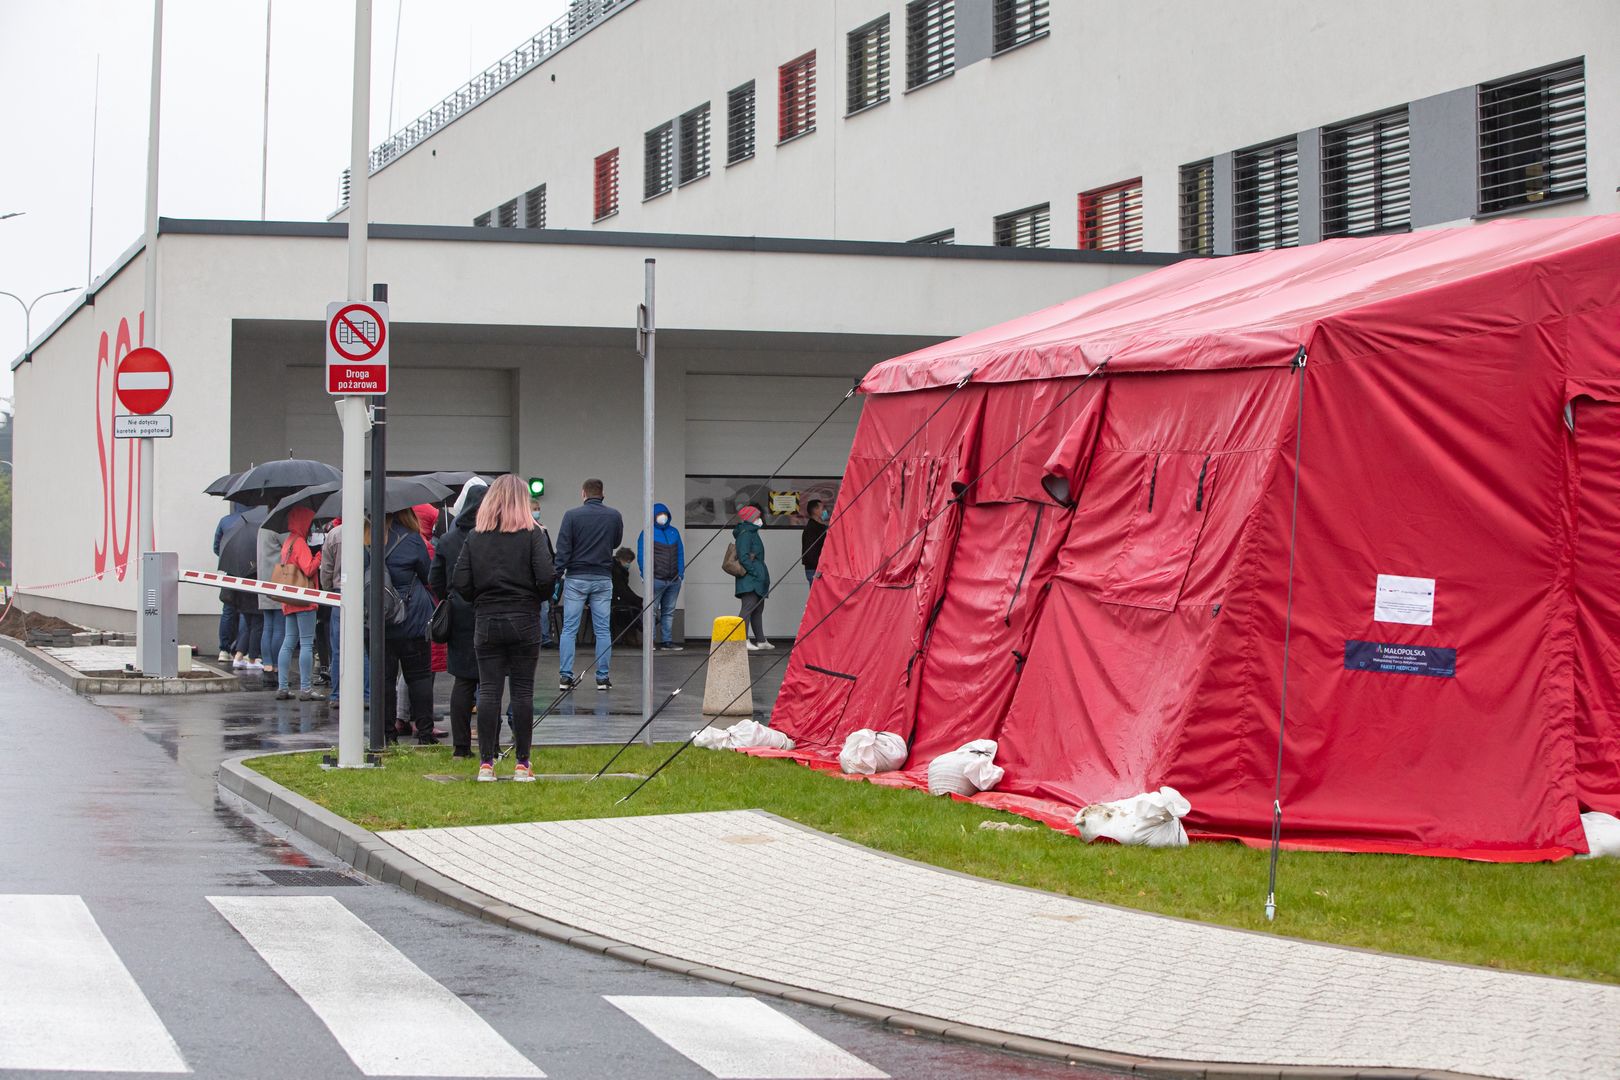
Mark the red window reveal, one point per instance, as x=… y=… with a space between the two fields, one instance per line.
x=1111 y=217
x=796 y=97
x=607 y=184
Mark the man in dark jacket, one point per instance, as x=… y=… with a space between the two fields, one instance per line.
x=228 y=616
x=462 y=661
x=814 y=535
x=585 y=544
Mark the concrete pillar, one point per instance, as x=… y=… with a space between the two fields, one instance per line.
x=726 y=690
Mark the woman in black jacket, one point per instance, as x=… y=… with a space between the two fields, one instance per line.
x=505 y=570
x=462 y=660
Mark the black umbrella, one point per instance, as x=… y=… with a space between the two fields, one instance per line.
x=451 y=479
x=222 y=485
x=268 y=484
x=399 y=493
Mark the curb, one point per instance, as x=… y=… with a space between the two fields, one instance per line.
x=83 y=684
x=378 y=859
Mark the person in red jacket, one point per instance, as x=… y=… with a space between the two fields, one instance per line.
x=296 y=553
x=428 y=517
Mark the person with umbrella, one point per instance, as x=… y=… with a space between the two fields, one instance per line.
x=297 y=565
x=406 y=648
x=228 y=616
x=239 y=557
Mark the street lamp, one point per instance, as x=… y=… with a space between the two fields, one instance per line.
x=28 y=316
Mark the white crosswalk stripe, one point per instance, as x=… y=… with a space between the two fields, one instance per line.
x=361 y=988
x=67 y=1002
x=743 y=1038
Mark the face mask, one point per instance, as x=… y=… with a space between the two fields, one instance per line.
x=662 y=519
x=826 y=516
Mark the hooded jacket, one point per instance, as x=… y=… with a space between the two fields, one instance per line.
x=461 y=660
x=669 y=553
x=751 y=553
x=295 y=551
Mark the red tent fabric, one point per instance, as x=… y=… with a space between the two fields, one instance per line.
x=1084 y=551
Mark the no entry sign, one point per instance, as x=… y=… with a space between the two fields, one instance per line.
x=144 y=381
x=356 y=348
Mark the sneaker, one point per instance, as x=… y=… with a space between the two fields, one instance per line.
x=308 y=695
x=240 y=664
x=522 y=774
x=486 y=773
x=670 y=646
x=225 y=657
x=765 y=645
x=253 y=665
x=754 y=646
x=604 y=684
x=565 y=683
x=284 y=695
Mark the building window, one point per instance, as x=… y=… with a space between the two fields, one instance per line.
x=1198 y=207
x=1018 y=21
x=1027 y=228
x=1532 y=138
x=946 y=237
x=930 y=41
x=1265 y=196
x=1111 y=217
x=693 y=160
x=1367 y=176
x=869 y=65
x=483 y=220
x=660 y=161
x=507 y=214
x=740 y=123
x=796 y=97
x=534 y=208
x=607 y=185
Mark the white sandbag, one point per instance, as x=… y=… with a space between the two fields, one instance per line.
x=749 y=734
x=866 y=752
x=712 y=738
x=1152 y=819
x=965 y=771
x=1602 y=834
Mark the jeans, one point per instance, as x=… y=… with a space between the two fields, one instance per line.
x=663 y=595
x=753 y=614
x=577 y=592
x=462 y=695
x=334 y=644
x=546 y=637
x=413 y=657
x=275 y=625
x=227 y=628
x=508 y=648
x=249 y=628
x=809 y=575
x=300 y=635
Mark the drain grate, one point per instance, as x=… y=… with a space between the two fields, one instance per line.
x=309 y=879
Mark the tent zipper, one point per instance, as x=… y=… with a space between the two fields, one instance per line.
x=1202 y=472
x=1029 y=552
x=1153 y=482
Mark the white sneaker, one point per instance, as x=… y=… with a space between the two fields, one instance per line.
x=754 y=646
x=766 y=645
x=238 y=664
x=224 y=656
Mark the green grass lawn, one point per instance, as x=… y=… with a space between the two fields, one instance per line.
x=1553 y=918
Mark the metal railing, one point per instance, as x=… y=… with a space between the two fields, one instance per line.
x=582 y=17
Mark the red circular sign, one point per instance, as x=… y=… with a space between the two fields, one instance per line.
x=357 y=333
x=144 y=381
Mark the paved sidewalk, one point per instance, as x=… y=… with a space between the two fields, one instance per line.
x=751 y=893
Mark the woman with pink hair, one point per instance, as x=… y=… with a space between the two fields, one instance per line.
x=504 y=571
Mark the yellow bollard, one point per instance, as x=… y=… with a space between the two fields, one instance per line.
x=726 y=690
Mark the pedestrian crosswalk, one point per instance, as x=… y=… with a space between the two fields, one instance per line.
x=69 y=1003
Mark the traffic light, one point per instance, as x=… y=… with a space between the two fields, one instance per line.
x=537 y=486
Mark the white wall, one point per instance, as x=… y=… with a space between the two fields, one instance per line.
x=1116 y=91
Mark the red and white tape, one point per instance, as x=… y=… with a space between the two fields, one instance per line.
x=290 y=593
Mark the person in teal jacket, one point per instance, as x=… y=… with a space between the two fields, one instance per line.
x=753 y=586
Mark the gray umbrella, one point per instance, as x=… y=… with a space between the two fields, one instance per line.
x=399 y=493
x=268 y=484
x=451 y=479
x=222 y=485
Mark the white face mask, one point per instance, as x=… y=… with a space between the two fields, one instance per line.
x=662 y=519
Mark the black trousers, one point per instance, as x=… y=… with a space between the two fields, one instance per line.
x=508 y=650
x=414 y=657
x=462 y=695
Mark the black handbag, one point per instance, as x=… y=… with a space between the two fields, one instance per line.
x=439 y=624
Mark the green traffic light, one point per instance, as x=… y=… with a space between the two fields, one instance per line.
x=537 y=487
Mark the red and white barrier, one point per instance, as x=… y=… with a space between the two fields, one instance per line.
x=289 y=593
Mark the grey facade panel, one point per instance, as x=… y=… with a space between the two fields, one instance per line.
x=1310 y=186
x=975 y=31
x=1445 y=157
x=1224 y=217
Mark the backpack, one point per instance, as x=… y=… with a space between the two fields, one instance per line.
x=394 y=610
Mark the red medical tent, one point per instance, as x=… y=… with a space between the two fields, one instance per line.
x=1083 y=550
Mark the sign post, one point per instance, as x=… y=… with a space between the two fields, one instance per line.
x=146 y=532
x=648 y=334
x=143 y=383
x=351 y=689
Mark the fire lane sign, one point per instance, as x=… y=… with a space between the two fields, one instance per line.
x=144 y=426
x=356 y=348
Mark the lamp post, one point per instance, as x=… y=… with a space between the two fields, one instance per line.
x=28 y=315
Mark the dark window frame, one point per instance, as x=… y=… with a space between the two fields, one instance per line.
x=742 y=122
x=507 y=214
x=1533 y=148
x=658 y=161
x=1015 y=23
x=868 y=69
x=1266 y=196
x=1009 y=228
x=1367 y=175
x=534 y=207
x=930 y=42
x=796 y=98
x=484 y=220
x=1196 y=207
x=692 y=145
x=944 y=236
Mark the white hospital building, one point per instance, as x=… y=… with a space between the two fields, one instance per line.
x=824 y=184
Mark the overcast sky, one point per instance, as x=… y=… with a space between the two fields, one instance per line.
x=213 y=93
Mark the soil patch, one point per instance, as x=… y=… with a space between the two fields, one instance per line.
x=18 y=623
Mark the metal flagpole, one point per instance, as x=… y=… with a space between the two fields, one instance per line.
x=264 y=127
x=649 y=616
x=144 y=542
x=90 y=232
x=351 y=692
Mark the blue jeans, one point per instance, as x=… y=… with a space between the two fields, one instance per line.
x=249 y=633
x=663 y=595
x=577 y=592
x=809 y=575
x=334 y=642
x=546 y=637
x=301 y=624
x=275 y=626
x=227 y=628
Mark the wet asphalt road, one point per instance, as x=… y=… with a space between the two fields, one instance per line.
x=116 y=802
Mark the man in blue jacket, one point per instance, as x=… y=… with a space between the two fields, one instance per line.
x=668 y=571
x=585 y=544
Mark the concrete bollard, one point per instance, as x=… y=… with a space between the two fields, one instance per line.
x=728 y=675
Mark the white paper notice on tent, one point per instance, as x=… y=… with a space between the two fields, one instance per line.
x=1407 y=600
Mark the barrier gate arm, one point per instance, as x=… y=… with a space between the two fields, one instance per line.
x=290 y=593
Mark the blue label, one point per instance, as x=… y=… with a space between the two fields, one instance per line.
x=1400 y=659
